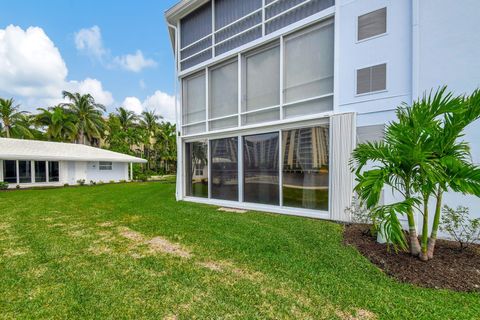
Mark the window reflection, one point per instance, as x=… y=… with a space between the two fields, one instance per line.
x=197 y=169
x=53 y=171
x=305 y=167
x=260 y=160
x=40 y=171
x=10 y=171
x=224 y=168
x=24 y=172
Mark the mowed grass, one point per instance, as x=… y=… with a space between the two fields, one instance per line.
x=129 y=251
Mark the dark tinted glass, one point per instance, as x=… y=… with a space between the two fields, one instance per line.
x=197 y=169
x=53 y=171
x=260 y=161
x=24 y=171
x=224 y=168
x=10 y=171
x=305 y=168
x=40 y=171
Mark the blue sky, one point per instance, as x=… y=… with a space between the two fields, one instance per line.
x=112 y=31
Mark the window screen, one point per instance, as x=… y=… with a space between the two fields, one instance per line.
x=197 y=169
x=194 y=100
x=224 y=94
x=105 y=165
x=372 y=79
x=372 y=24
x=224 y=168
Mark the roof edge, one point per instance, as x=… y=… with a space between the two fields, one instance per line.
x=181 y=9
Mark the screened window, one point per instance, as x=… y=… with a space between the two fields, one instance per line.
x=305 y=155
x=260 y=162
x=53 y=171
x=372 y=79
x=372 y=133
x=261 y=86
x=40 y=171
x=224 y=168
x=10 y=171
x=223 y=81
x=194 y=115
x=24 y=171
x=104 y=166
x=372 y=24
x=308 y=84
x=197 y=169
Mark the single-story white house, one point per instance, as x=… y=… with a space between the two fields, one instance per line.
x=30 y=163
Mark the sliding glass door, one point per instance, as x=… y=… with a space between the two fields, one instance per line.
x=24 y=171
x=260 y=168
x=197 y=169
x=40 y=171
x=10 y=171
x=224 y=168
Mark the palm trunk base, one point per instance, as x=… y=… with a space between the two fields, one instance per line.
x=414 y=243
x=423 y=256
x=431 y=248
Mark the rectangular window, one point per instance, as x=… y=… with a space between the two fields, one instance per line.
x=261 y=86
x=40 y=171
x=260 y=168
x=103 y=166
x=223 y=82
x=373 y=133
x=194 y=114
x=305 y=167
x=372 y=24
x=25 y=171
x=372 y=79
x=53 y=171
x=224 y=168
x=197 y=169
x=309 y=71
x=10 y=171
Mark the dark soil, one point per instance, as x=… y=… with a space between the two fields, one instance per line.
x=450 y=268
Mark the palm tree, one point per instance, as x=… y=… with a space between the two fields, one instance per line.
x=59 y=123
x=127 y=118
x=149 y=123
x=13 y=120
x=90 y=124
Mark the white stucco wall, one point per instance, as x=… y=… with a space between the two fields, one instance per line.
x=93 y=173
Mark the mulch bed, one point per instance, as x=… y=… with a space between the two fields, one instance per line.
x=449 y=269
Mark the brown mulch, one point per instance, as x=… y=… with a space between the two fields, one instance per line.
x=450 y=268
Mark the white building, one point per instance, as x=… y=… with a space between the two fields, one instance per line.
x=275 y=94
x=31 y=163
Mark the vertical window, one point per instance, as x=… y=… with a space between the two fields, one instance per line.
x=194 y=115
x=261 y=86
x=24 y=171
x=40 y=171
x=53 y=171
x=105 y=166
x=224 y=168
x=305 y=168
x=372 y=79
x=223 y=81
x=260 y=162
x=197 y=169
x=372 y=24
x=308 y=77
x=10 y=171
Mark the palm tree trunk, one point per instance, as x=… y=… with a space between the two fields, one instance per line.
x=7 y=131
x=436 y=224
x=423 y=254
x=412 y=230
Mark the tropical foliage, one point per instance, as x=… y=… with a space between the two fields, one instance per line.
x=82 y=120
x=421 y=157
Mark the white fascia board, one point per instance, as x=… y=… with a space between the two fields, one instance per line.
x=57 y=158
x=181 y=9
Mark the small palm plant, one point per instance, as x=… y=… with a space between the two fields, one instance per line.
x=420 y=158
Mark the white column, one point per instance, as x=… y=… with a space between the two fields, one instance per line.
x=18 y=171
x=342 y=131
x=131 y=171
x=32 y=170
x=1 y=170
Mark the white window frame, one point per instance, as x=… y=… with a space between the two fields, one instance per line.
x=386 y=63
x=377 y=35
x=105 y=166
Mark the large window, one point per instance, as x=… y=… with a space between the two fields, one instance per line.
x=105 y=166
x=308 y=83
x=260 y=163
x=197 y=169
x=224 y=168
x=40 y=171
x=372 y=24
x=193 y=103
x=372 y=79
x=10 y=171
x=305 y=168
x=24 y=171
x=261 y=86
x=224 y=96
x=53 y=171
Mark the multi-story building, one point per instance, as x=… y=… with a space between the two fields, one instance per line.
x=274 y=94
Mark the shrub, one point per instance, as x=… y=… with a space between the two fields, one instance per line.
x=142 y=177
x=3 y=185
x=66 y=185
x=111 y=181
x=123 y=181
x=17 y=186
x=100 y=182
x=457 y=223
x=81 y=182
x=92 y=183
x=361 y=215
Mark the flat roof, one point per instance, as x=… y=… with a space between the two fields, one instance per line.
x=19 y=149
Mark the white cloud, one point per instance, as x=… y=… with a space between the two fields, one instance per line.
x=90 y=41
x=160 y=102
x=134 y=62
x=33 y=70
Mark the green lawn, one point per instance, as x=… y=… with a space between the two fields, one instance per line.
x=131 y=251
